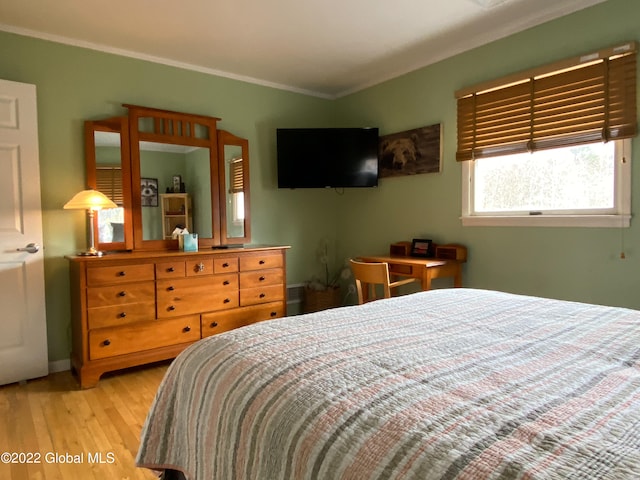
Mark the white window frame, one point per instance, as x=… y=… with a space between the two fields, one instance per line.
x=237 y=207
x=620 y=219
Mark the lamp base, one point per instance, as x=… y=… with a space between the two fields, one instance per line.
x=92 y=252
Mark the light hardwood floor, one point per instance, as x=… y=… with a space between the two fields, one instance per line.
x=70 y=431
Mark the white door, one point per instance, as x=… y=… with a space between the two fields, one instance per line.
x=23 y=324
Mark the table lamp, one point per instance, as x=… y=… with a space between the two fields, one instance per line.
x=91 y=201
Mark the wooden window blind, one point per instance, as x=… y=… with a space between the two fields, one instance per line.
x=109 y=182
x=236 y=177
x=588 y=99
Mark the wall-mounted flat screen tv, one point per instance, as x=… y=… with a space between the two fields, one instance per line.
x=327 y=157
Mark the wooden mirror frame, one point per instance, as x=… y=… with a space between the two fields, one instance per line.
x=177 y=129
x=164 y=126
x=226 y=138
x=119 y=125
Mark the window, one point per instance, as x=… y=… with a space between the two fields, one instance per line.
x=110 y=224
x=584 y=185
x=236 y=188
x=110 y=220
x=551 y=146
x=109 y=182
x=237 y=201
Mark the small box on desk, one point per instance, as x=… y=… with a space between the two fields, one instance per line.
x=400 y=249
x=451 y=252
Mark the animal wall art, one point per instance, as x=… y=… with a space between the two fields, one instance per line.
x=411 y=152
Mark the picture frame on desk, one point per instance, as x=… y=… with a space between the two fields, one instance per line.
x=422 y=247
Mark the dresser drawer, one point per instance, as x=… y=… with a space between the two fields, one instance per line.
x=199 y=267
x=174 y=269
x=256 y=278
x=137 y=337
x=97 y=276
x=225 y=264
x=258 y=262
x=114 y=316
x=218 y=322
x=120 y=294
x=268 y=293
x=195 y=295
x=267 y=311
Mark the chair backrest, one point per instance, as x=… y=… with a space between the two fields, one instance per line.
x=368 y=275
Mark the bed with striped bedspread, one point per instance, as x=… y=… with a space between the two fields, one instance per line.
x=445 y=384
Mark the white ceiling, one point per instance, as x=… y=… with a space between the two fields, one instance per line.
x=327 y=48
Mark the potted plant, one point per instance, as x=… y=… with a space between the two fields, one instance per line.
x=323 y=291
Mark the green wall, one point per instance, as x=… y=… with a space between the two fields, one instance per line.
x=581 y=264
x=161 y=166
x=75 y=84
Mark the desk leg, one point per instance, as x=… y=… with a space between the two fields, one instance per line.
x=448 y=270
x=426 y=278
x=457 y=277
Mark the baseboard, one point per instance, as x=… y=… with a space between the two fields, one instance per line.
x=59 y=366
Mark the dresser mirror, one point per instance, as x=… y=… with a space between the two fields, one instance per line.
x=160 y=163
x=234 y=161
x=108 y=170
x=136 y=159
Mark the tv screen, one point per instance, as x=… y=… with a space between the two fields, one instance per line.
x=327 y=157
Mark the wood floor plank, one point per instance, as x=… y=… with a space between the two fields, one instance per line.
x=26 y=432
x=41 y=428
x=88 y=434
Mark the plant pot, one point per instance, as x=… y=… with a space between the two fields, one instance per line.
x=316 y=300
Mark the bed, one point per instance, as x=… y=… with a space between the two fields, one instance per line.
x=445 y=384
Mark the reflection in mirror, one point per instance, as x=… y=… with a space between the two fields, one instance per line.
x=109 y=181
x=233 y=155
x=234 y=179
x=159 y=164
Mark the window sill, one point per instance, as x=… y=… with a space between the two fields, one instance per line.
x=601 y=221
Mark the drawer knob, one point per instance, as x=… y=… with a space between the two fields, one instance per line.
x=261 y=262
x=122 y=314
x=226 y=282
x=262 y=295
x=273 y=314
x=122 y=273
x=171 y=308
x=225 y=265
x=213 y=324
x=226 y=300
x=106 y=343
x=200 y=267
x=122 y=294
x=186 y=329
x=170 y=269
x=171 y=288
x=262 y=279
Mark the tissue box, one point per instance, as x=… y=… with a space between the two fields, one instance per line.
x=188 y=242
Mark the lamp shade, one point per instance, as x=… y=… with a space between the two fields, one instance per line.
x=89 y=200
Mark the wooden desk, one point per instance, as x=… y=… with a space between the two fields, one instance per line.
x=426 y=269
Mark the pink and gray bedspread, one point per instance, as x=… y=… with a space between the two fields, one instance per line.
x=445 y=384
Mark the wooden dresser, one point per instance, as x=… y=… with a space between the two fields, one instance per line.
x=134 y=308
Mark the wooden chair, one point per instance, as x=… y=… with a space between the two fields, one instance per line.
x=370 y=274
